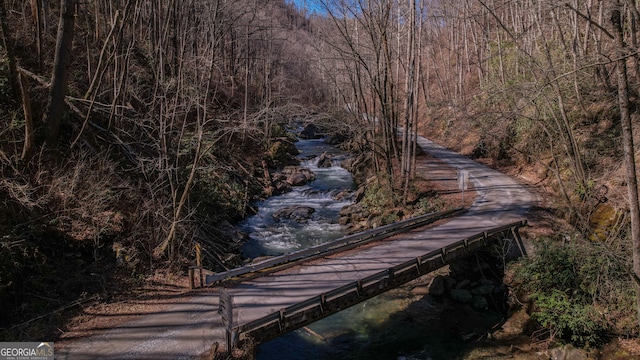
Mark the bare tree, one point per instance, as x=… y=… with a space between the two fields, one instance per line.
x=627 y=144
x=8 y=46
x=60 y=76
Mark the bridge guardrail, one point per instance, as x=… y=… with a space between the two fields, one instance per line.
x=325 y=304
x=328 y=248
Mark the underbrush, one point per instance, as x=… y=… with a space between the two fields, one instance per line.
x=579 y=291
x=384 y=201
x=72 y=224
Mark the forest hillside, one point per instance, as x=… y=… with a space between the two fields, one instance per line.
x=133 y=130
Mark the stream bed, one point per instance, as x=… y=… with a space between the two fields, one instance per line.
x=270 y=237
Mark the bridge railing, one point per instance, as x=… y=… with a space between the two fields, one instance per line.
x=328 y=248
x=328 y=303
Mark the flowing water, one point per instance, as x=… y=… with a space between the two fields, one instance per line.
x=384 y=327
x=269 y=236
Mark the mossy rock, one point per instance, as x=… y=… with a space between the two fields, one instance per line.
x=282 y=153
x=602 y=221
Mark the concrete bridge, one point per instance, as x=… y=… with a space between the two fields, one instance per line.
x=265 y=306
x=506 y=238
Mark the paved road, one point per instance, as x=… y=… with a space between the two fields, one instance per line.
x=192 y=326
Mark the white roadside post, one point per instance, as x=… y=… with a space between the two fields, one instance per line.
x=463 y=178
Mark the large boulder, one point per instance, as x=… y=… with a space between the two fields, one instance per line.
x=231 y=232
x=297 y=179
x=299 y=213
x=335 y=139
x=298 y=176
x=281 y=186
x=461 y=295
x=282 y=153
x=310 y=131
x=437 y=286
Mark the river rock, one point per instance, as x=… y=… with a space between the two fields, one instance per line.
x=567 y=352
x=479 y=302
x=518 y=323
x=299 y=213
x=310 y=131
x=360 y=193
x=231 y=232
x=282 y=153
x=352 y=211
x=335 y=139
x=437 y=286
x=461 y=295
x=297 y=179
x=483 y=289
x=324 y=161
x=281 y=187
x=358 y=167
x=451 y=283
x=298 y=176
x=355 y=217
x=463 y=284
x=342 y=195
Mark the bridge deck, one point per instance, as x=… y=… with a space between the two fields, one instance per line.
x=195 y=324
x=338 y=299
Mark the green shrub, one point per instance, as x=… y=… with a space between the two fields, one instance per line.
x=220 y=194
x=378 y=197
x=568 y=319
x=580 y=290
x=551 y=268
x=428 y=205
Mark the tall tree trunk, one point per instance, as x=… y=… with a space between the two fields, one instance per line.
x=409 y=115
x=8 y=45
x=37 y=17
x=627 y=145
x=29 y=130
x=60 y=75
